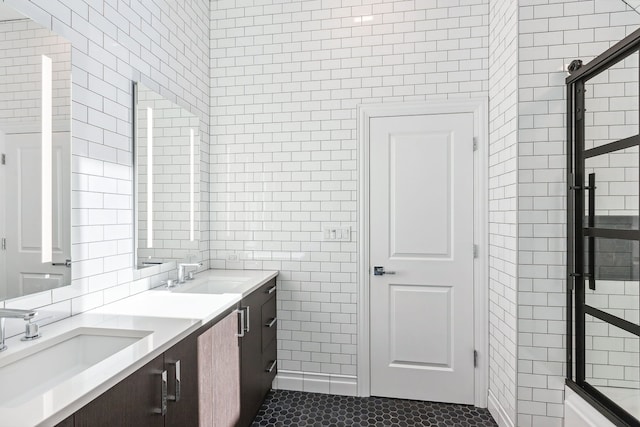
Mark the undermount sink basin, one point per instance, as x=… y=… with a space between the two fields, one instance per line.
x=33 y=371
x=213 y=285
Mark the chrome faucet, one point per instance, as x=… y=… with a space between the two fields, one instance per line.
x=181 y=268
x=6 y=313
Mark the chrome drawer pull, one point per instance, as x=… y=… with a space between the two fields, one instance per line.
x=272 y=366
x=176 y=396
x=272 y=289
x=241 y=333
x=273 y=322
x=163 y=395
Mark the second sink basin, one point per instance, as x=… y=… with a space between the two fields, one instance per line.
x=31 y=372
x=214 y=286
x=204 y=284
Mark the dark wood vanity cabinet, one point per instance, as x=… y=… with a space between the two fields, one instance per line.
x=211 y=378
x=132 y=402
x=181 y=364
x=66 y=423
x=258 y=350
x=138 y=399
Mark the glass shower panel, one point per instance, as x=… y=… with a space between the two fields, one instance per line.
x=611 y=104
x=613 y=259
x=612 y=363
x=614 y=196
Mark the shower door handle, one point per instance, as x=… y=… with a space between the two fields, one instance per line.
x=591 y=241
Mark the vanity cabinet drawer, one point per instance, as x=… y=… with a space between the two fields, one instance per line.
x=258 y=352
x=270 y=365
x=269 y=322
x=269 y=341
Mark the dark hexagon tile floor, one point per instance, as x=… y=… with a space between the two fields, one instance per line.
x=295 y=408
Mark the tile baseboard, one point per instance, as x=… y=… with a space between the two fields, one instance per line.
x=343 y=385
x=497 y=412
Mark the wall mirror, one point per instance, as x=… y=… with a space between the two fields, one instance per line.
x=35 y=157
x=167 y=179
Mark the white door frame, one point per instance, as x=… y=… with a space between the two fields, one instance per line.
x=479 y=108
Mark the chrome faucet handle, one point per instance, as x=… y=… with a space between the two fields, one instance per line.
x=31 y=331
x=169 y=283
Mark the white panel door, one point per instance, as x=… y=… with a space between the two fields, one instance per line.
x=421 y=228
x=3 y=226
x=25 y=269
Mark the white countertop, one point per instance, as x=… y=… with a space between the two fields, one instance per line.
x=169 y=316
x=240 y=282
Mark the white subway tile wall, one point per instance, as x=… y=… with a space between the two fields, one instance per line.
x=285 y=82
x=164 y=44
x=503 y=134
x=551 y=34
x=22 y=42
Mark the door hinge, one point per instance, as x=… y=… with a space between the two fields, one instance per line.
x=3 y=159
x=475 y=143
x=475 y=358
x=475 y=251
x=3 y=243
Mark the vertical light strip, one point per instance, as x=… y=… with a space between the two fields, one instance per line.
x=149 y=177
x=191 y=186
x=46 y=158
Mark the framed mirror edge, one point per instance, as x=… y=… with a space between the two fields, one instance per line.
x=59 y=67
x=163 y=265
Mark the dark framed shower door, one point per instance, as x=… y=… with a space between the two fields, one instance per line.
x=603 y=232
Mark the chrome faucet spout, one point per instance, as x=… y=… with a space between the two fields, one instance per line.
x=12 y=313
x=17 y=314
x=181 y=269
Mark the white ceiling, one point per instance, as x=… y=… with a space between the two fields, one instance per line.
x=7 y=13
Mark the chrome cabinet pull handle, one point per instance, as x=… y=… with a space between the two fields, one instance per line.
x=246 y=326
x=272 y=366
x=272 y=289
x=241 y=333
x=270 y=324
x=176 y=397
x=163 y=395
